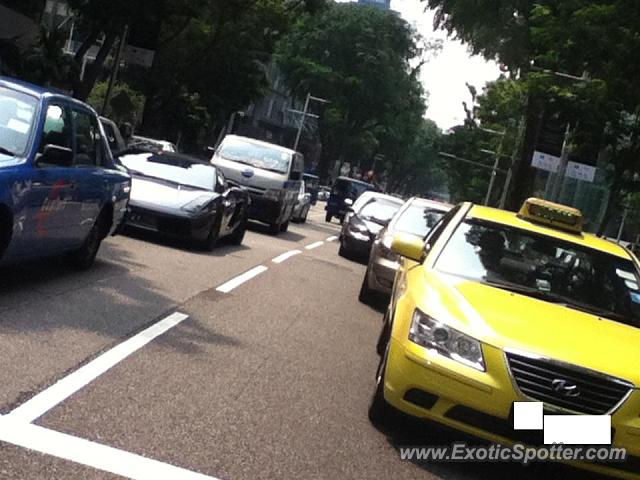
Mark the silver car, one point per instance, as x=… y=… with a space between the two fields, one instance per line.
x=302 y=206
x=416 y=217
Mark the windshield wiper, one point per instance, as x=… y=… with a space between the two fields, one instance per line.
x=560 y=300
x=4 y=151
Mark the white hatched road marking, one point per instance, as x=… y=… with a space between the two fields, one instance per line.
x=91 y=454
x=286 y=256
x=64 y=388
x=314 y=245
x=240 y=279
x=332 y=239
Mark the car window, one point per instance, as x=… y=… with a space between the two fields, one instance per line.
x=57 y=128
x=17 y=112
x=418 y=219
x=547 y=267
x=380 y=210
x=437 y=230
x=89 y=148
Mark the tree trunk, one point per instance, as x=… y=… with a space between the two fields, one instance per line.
x=523 y=174
x=93 y=71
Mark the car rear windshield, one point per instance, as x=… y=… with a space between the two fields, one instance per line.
x=172 y=169
x=379 y=210
x=347 y=189
x=544 y=267
x=17 y=115
x=255 y=155
x=418 y=220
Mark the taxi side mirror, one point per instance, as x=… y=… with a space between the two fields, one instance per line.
x=408 y=246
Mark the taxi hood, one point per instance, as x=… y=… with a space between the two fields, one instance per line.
x=510 y=320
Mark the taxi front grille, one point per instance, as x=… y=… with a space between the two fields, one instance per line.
x=567 y=386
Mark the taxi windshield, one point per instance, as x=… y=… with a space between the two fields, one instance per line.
x=544 y=267
x=17 y=112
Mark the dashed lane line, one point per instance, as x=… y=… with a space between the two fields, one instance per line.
x=64 y=388
x=286 y=256
x=314 y=245
x=331 y=239
x=240 y=279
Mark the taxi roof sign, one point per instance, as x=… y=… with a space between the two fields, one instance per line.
x=552 y=215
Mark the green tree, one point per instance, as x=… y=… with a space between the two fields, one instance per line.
x=362 y=60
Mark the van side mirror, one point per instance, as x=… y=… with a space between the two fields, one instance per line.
x=408 y=246
x=56 y=156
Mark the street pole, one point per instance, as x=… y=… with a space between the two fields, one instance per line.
x=564 y=161
x=302 y=120
x=114 y=71
x=622 y=222
x=494 y=172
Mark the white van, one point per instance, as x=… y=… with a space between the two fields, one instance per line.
x=272 y=174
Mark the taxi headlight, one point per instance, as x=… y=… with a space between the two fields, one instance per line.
x=448 y=342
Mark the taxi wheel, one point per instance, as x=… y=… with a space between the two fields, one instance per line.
x=83 y=258
x=274 y=228
x=380 y=412
x=284 y=227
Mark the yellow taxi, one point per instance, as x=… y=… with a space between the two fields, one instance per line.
x=496 y=307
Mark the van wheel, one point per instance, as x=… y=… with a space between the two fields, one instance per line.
x=328 y=217
x=284 y=227
x=380 y=411
x=83 y=258
x=274 y=228
x=304 y=216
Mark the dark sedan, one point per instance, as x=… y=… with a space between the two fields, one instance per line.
x=183 y=197
x=370 y=214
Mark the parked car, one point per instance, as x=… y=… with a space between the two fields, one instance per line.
x=323 y=194
x=60 y=192
x=272 y=174
x=302 y=206
x=416 y=217
x=364 y=221
x=114 y=137
x=152 y=144
x=497 y=307
x=311 y=185
x=344 y=188
x=184 y=197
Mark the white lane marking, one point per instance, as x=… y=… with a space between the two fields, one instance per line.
x=314 y=245
x=286 y=256
x=332 y=239
x=64 y=388
x=91 y=454
x=240 y=279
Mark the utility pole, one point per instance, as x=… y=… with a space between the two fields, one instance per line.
x=305 y=113
x=564 y=161
x=114 y=71
x=496 y=164
x=514 y=159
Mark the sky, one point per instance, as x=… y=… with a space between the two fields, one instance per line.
x=445 y=76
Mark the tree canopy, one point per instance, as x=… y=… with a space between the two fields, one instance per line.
x=365 y=61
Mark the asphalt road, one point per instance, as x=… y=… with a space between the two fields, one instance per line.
x=269 y=378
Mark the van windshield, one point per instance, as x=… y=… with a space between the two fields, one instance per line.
x=255 y=155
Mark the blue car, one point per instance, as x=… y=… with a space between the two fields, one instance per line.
x=60 y=190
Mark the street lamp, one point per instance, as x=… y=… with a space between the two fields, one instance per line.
x=305 y=114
